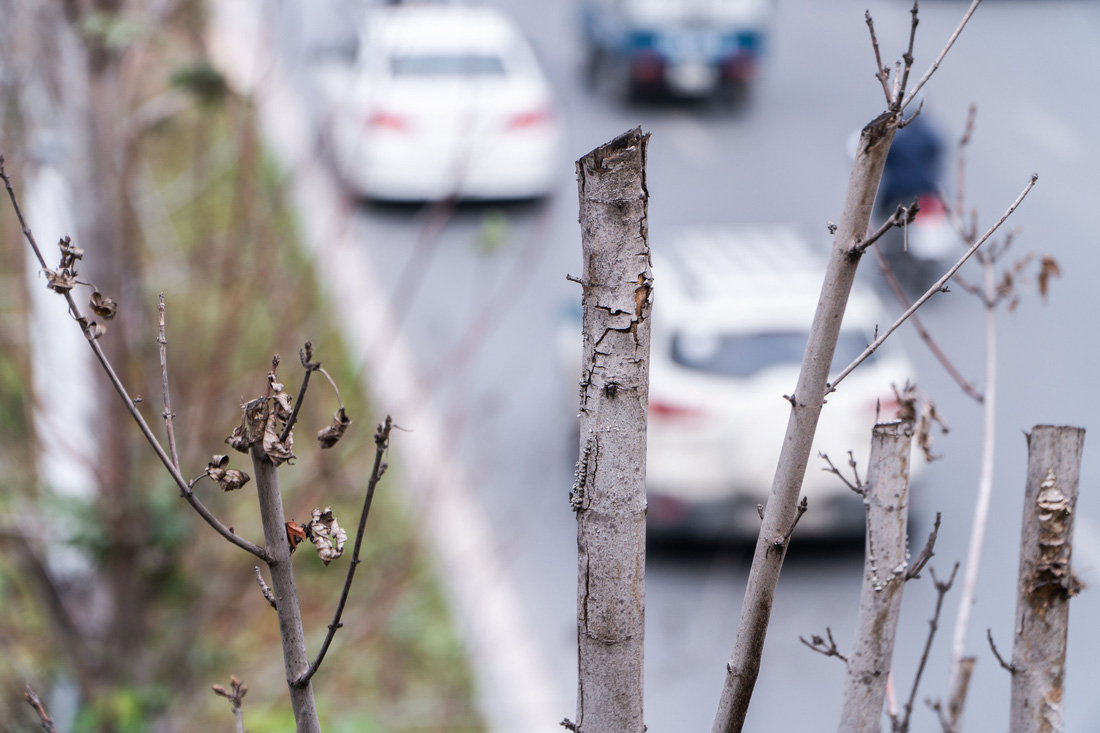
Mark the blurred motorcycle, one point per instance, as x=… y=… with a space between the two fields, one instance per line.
x=916 y=252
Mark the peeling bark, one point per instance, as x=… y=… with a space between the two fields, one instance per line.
x=1045 y=582
x=609 y=494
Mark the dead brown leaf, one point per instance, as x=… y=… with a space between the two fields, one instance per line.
x=295 y=533
x=1048 y=269
x=103 y=306
x=60 y=281
x=327 y=535
x=330 y=435
x=230 y=479
x=278 y=451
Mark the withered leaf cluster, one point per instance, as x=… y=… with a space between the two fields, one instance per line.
x=327 y=535
x=330 y=435
x=230 y=479
x=922 y=411
x=262 y=422
x=323 y=531
x=63 y=279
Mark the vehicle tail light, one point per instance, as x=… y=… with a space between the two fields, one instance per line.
x=388 y=120
x=647 y=68
x=932 y=211
x=885 y=409
x=741 y=67
x=669 y=411
x=531 y=118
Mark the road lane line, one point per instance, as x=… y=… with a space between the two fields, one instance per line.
x=515 y=692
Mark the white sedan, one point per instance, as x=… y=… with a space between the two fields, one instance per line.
x=446 y=101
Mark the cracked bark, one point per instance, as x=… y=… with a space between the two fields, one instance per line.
x=609 y=494
x=1045 y=582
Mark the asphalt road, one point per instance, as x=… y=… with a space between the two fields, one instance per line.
x=478 y=293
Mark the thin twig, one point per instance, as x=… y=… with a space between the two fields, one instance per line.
x=936 y=287
x=43 y=717
x=235 y=695
x=168 y=414
x=880 y=71
x=381 y=442
x=926 y=336
x=926 y=553
x=902 y=725
x=305 y=354
x=1005 y=665
x=820 y=646
x=265 y=589
x=857 y=487
x=907 y=57
x=960 y=171
x=902 y=216
x=130 y=404
x=939 y=59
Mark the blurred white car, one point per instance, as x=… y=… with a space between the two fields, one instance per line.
x=446 y=100
x=731 y=317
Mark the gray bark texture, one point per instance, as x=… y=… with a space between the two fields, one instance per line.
x=1045 y=582
x=609 y=493
x=295 y=657
x=885 y=565
x=806 y=404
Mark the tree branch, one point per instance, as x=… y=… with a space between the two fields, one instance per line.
x=168 y=414
x=943 y=52
x=926 y=553
x=936 y=287
x=821 y=646
x=43 y=717
x=902 y=725
x=381 y=442
x=306 y=356
x=926 y=336
x=127 y=401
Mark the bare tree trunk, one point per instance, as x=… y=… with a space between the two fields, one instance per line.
x=885 y=566
x=295 y=657
x=1046 y=581
x=609 y=494
x=806 y=404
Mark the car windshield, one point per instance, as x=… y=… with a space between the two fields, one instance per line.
x=745 y=354
x=447 y=65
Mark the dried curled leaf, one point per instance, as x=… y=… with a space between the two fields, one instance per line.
x=1047 y=270
x=70 y=253
x=60 y=281
x=277 y=450
x=295 y=534
x=103 y=306
x=281 y=400
x=92 y=330
x=251 y=427
x=327 y=535
x=230 y=479
x=329 y=436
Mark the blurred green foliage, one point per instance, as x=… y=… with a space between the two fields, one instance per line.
x=219 y=240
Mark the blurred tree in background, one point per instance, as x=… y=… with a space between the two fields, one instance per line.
x=172 y=192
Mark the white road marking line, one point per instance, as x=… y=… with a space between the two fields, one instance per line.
x=516 y=695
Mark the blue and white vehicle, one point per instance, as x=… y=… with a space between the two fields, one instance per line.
x=686 y=48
